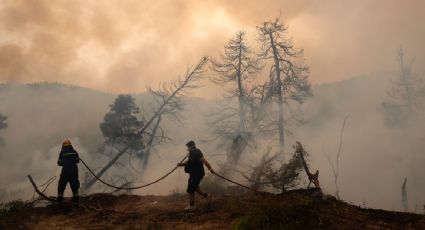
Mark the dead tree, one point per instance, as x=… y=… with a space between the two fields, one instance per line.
x=288 y=74
x=3 y=125
x=406 y=95
x=170 y=95
x=150 y=143
x=156 y=134
x=404 y=201
x=313 y=178
x=259 y=100
x=236 y=66
x=335 y=165
x=239 y=144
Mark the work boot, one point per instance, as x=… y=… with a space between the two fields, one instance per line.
x=76 y=199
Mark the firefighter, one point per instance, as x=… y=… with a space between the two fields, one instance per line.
x=195 y=167
x=68 y=159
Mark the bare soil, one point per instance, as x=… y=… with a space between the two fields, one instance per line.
x=300 y=209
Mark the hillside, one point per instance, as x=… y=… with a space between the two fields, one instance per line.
x=40 y=115
x=298 y=209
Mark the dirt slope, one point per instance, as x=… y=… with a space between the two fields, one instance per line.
x=301 y=209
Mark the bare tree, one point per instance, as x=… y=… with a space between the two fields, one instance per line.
x=3 y=125
x=259 y=101
x=156 y=134
x=288 y=74
x=406 y=95
x=170 y=99
x=151 y=142
x=237 y=65
x=335 y=165
x=404 y=201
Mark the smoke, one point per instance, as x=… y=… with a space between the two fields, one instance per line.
x=42 y=115
x=374 y=161
x=124 y=46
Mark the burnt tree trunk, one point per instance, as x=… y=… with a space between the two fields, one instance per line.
x=313 y=178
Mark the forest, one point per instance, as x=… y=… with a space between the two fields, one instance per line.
x=354 y=147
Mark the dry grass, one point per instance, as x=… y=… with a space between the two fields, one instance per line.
x=306 y=209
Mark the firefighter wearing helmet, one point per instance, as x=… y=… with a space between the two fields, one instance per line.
x=68 y=159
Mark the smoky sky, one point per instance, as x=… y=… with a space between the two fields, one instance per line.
x=127 y=45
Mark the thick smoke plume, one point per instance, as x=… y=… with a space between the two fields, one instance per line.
x=124 y=46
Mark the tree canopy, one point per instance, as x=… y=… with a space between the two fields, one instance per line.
x=122 y=123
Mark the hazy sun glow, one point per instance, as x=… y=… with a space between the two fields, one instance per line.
x=208 y=21
x=124 y=46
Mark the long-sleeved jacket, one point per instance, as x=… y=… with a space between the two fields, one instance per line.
x=68 y=157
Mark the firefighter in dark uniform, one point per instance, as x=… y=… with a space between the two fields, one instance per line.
x=195 y=167
x=68 y=159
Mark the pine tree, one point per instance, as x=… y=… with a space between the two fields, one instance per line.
x=121 y=125
x=406 y=96
x=288 y=74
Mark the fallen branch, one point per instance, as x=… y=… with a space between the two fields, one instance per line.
x=102 y=211
x=48 y=183
x=177 y=88
x=38 y=191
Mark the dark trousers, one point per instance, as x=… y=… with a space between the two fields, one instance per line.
x=193 y=182
x=71 y=176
